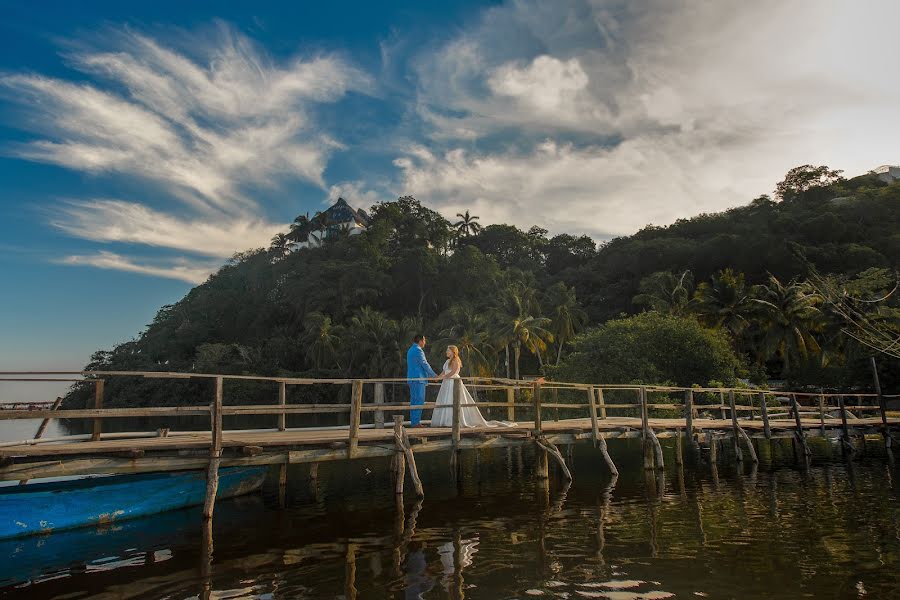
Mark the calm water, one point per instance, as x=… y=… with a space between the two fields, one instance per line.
x=783 y=531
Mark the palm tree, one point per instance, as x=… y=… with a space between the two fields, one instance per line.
x=789 y=316
x=567 y=316
x=667 y=292
x=725 y=302
x=374 y=335
x=467 y=225
x=322 y=339
x=300 y=229
x=280 y=247
x=469 y=333
x=517 y=326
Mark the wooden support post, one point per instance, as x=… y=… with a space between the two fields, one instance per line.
x=795 y=406
x=537 y=408
x=554 y=395
x=657 y=449
x=282 y=483
x=764 y=411
x=645 y=416
x=543 y=462
x=735 y=436
x=722 y=404
x=604 y=450
x=552 y=450
x=402 y=442
x=399 y=469
x=689 y=413
x=822 y=412
x=457 y=404
x=846 y=444
x=882 y=408
x=99 y=385
x=713 y=445
x=595 y=430
x=379 y=399
x=511 y=404
x=749 y=443
x=679 y=448
x=355 y=408
x=282 y=401
x=43 y=426
x=215 y=451
x=601 y=402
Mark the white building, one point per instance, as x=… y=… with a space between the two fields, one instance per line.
x=887 y=173
x=340 y=218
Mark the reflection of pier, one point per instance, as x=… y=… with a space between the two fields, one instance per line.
x=582 y=412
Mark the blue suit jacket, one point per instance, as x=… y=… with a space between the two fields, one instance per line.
x=417 y=366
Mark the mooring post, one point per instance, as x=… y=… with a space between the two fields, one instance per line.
x=595 y=429
x=764 y=411
x=379 y=399
x=882 y=408
x=99 y=385
x=511 y=404
x=215 y=451
x=739 y=456
x=282 y=402
x=355 y=412
x=399 y=466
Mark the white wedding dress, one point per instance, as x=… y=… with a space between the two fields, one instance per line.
x=469 y=415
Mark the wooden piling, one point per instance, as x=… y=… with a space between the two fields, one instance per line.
x=399 y=467
x=595 y=429
x=722 y=404
x=379 y=399
x=799 y=426
x=657 y=449
x=679 y=448
x=689 y=413
x=282 y=483
x=764 y=411
x=604 y=450
x=99 y=385
x=882 y=408
x=601 y=402
x=355 y=410
x=735 y=436
x=215 y=451
x=552 y=450
x=511 y=404
x=711 y=441
x=537 y=408
x=846 y=443
x=822 y=412
x=543 y=462
x=403 y=443
x=749 y=442
x=282 y=401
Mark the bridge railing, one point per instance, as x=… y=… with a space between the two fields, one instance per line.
x=538 y=401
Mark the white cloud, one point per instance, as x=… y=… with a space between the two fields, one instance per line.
x=357 y=193
x=119 y=221
x=181 y=269
x=603 y=116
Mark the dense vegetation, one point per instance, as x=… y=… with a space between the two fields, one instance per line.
x=515 y=301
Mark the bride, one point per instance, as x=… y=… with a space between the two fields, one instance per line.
x=469 y=415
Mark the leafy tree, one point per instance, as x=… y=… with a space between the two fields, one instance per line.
x=804 y=178
x=323 y=340
x=567 y=316
x=725 y=302
x=667 y=292
x=651 y=348
x=467 y=224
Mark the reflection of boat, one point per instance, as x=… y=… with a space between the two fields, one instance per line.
x=53 y=506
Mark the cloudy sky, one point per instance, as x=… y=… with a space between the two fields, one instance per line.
x=139 y=148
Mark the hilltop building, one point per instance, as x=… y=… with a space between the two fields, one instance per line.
x=887 y=173
x=339 y=219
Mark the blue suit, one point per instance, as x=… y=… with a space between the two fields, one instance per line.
x=417 y=367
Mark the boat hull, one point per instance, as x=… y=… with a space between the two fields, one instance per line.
x=46 y=507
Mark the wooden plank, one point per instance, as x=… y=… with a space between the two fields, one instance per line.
x=104 y=413
x=356 y=403
x=43 y=426
x=282 y=401
x=99 y=386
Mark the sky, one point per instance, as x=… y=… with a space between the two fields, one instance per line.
x=142 y=144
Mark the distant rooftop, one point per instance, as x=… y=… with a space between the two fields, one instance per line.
x=341 y=212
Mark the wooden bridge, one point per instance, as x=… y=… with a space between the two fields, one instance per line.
x=550 y=414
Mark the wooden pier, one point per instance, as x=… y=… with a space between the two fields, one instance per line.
x=551 y=414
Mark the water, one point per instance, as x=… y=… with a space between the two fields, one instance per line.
x=783 y=531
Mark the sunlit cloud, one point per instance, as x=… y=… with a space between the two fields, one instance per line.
x=182 y=269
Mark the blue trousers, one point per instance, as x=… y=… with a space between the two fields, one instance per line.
x=416 y=398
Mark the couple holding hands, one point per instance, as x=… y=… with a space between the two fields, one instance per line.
x=418 y=372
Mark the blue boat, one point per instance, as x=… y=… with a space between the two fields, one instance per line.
x=54 y=506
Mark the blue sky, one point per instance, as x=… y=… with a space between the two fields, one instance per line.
x=143 y=144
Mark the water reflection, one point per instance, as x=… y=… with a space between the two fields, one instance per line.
x=778 y=532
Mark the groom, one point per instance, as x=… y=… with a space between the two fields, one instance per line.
x=417 y=370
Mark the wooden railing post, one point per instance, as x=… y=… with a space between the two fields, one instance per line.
x=457 y=403
x=99 y=386
x=215 y=450
x=511 y=404
x=735 y=433
x=846 y=444
x=689 y=413
x=822 y=412
x=799 y=432
x=355 y=411
x=601 y=402
x=764 y=411
x=882 y=408
x=538 y=426
x=379 y=399
x=595 y=429
x=645 y=415
x=722 y=404
x=399 y=464
x=282 y=401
